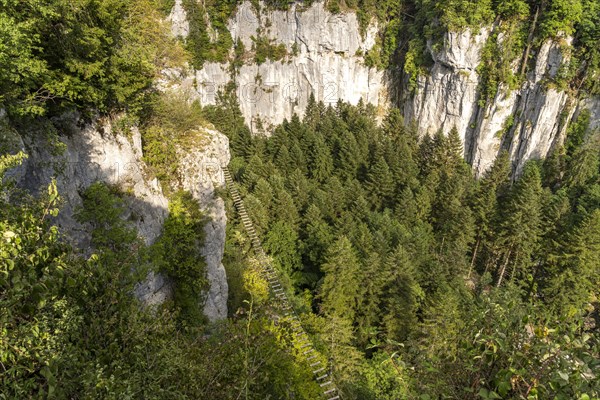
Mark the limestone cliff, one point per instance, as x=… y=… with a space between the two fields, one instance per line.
x=324 y=58
x=83 y=153
x=449 y=96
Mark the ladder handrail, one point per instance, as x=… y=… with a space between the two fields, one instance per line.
x=329 y=389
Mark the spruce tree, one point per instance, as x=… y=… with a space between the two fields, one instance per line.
x=484 y=203
x=574 y=278
x=281 y=242
x=283 y=161
x=380 y=184
x=402 y=295
x=322 y=162
x=348 y=157
x=520 y=226
x=316 y=238
x=340 y=291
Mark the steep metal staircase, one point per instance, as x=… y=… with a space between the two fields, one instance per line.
x=320 y=371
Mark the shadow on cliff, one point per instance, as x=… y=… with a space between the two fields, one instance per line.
x=78 y=154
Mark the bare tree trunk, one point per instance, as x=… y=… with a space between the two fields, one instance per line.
x=529 y=42
x=474 y=257
x=503 y=270
x=514 y=268
x=488 y=263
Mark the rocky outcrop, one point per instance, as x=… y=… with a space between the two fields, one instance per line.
x=201 y=173
x=593 y=105
x=323 y=58
x=527 y=122
x=447 y=96
x=178 y=19
x=82 y=154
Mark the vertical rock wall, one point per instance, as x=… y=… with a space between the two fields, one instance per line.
x=94 y=152
x=323 y=58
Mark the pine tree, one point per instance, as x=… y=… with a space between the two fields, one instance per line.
x=284 y=208
x=322 y=163
x=281 y=243
x=484 y=203
x=299 y=188
x=380 y=184
x=520 y=226
x=312 y=116
x=283 y=161
x=340 y=291
x=316 y=238
x=454 y=146
x=393 y=125
x=574 y=278
x=369 y=309
x=402 y=295
x=348 y=157
x=264 y=192
x=298 y=158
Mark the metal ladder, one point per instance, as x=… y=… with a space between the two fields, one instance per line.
x=320 y=371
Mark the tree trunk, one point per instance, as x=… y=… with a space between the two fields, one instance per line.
x=529 y=42
x=474 y=257
x=503 y=270
x=514 y=268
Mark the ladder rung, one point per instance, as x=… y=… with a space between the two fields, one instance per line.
x=308 y=351
x=322 y=377
x=319 y=370
x=315 y=364
x=326 y=383
x=310 y=358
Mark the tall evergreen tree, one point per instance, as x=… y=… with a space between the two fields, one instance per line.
x=520 y=227
x=340 y=291
x=380 y=183
x=316 y=238
x=402 y=295
x=485 y=204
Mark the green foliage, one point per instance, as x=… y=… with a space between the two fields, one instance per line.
x=497 y=59
x=208 y=43
x=265 y=49
x=561 y=16
x=102 y=209
x=415 y=62
x=172 y=121
x=60 y=54
x=458 y=14
x=178 y=255
x=393 y=240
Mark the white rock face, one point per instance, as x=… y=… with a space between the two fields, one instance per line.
x=96 y=153
x=486 y=140
x=449 y=96
x=178 y=19
x=201 y=172
x=322 y=60
x=593 y=105
x=326 y=64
